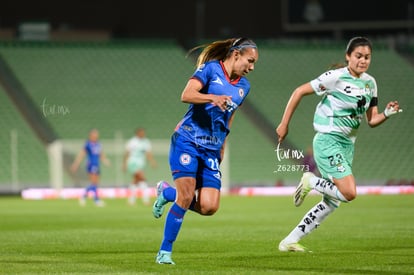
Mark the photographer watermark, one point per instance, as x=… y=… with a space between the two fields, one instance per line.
x=292 y=155
x=54 y=109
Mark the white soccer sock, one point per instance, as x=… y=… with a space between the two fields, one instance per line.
x=145 y=192
x=312 y=220
x=326 y=188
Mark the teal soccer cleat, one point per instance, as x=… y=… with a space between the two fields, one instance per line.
x=160 y=202
x=164 y=257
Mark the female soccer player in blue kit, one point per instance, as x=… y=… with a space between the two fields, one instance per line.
x=93 y=151
x=215 y=90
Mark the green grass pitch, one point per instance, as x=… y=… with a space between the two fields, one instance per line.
x=371 y=235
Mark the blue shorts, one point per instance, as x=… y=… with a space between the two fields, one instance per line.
x=93 y=169
x=189 y=160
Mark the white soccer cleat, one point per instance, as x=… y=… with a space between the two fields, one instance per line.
x=303 y=188
x=292 y=247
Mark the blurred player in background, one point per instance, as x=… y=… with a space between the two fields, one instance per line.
x=214 y=92
x=94 y=153
x=348 y=95
x=137 y=151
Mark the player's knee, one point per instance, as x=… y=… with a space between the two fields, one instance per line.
x=347 y=187
x=208 y=210
x=184 y=201
x=350 y=195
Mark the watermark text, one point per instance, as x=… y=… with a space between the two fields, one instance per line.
x=54 y=109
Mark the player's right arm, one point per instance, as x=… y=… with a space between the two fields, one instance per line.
x=301 y=91
x=192 y=94
x=125 y=160
x=75 y=165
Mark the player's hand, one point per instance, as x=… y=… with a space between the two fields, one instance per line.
x=281 y=132
x=392 y=108
x=221 y=101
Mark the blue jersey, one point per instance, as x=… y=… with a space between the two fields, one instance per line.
x=93 y=151
x=205 y=124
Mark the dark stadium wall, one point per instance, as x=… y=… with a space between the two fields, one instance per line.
x=147 y=19
x=197 y=19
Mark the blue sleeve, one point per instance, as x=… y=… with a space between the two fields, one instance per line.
x=203 y=73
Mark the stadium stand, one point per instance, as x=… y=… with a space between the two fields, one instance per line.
x=117 y=86
x=19 y=146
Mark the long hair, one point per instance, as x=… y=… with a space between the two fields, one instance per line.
x=221 y=49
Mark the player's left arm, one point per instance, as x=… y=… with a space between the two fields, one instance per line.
x=375 y=118
x=104 y=159
x=151 y=159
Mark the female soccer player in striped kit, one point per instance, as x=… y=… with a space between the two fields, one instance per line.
x=348 y=95
x=138 y=151
x=214 y=92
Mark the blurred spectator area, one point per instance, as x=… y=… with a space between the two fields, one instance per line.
x=116 y=65
x=188 y=20
x=117 y=86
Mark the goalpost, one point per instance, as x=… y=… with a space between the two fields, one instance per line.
x=61 y=154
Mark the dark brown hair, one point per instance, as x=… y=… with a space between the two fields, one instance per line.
x=221 y=49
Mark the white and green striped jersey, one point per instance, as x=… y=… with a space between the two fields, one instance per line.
x=344 y=103
x=138 y=148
